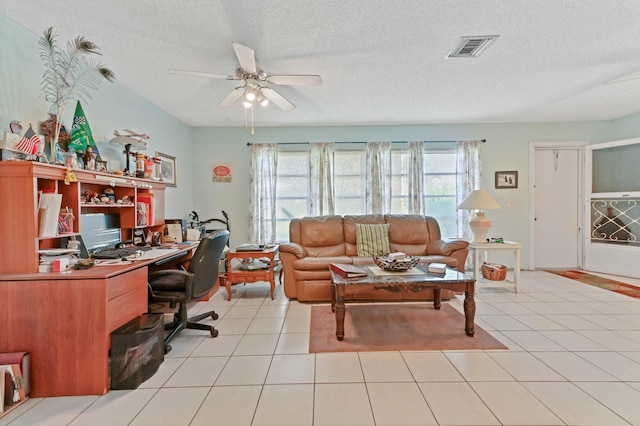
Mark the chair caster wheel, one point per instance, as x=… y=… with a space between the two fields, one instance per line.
x=215 y=316
x=167 y=349
x=214 y=332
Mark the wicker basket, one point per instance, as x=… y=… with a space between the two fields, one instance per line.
x=494 y=271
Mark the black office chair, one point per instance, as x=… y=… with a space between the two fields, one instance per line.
x=179 y=286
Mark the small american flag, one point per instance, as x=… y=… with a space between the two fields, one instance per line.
x=29 y=142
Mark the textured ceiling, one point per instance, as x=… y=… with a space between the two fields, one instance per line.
x=381 y=62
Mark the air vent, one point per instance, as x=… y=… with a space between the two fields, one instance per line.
x=471 y=46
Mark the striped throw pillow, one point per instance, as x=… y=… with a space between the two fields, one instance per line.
x=372 y=240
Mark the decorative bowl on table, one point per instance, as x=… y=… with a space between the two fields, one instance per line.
x=396 y=265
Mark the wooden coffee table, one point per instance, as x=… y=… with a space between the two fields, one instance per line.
x=398 y=282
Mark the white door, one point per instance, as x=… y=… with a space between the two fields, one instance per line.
x=556 y=207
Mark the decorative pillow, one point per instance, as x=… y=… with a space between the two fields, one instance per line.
x=372 y=240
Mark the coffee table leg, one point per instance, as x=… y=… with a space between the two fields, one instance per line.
x=436 y=298
x=333 y=297
x=339 y=309
x=469 y=310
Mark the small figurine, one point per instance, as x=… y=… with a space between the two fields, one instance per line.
x=69 y=177
x=90 y=159
x=110 y=194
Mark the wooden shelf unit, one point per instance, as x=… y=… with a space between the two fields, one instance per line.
x=21 y=182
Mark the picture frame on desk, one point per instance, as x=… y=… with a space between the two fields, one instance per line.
x=169 y=169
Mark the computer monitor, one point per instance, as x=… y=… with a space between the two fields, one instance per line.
x=100 y=231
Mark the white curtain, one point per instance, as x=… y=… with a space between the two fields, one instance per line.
x=262 y=204
x=321 y=192
x=416 y=178
x=378 y=197
x=467 y=180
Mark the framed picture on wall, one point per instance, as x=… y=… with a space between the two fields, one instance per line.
x=505 y=180
x=169 y=169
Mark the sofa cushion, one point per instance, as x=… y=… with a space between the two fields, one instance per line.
x=349 y=224
x=372 y=240
x=322 y=236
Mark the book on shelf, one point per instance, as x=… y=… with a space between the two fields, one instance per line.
x=437 y=268
x=347 y=270
x=48 y=212
x=12 y=389
x=24 y=360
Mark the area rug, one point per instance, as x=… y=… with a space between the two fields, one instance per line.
x=395 y=327
x=595 y=280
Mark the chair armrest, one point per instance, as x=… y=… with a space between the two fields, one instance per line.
x=445 y=248
x=294 y=248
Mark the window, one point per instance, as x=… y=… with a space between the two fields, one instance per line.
x=292 y=192
x=349 y=182
x=292 y=198
x=440 y=188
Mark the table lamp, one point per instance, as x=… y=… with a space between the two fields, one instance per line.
x=479 y=200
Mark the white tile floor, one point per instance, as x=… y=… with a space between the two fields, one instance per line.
x=573 y=358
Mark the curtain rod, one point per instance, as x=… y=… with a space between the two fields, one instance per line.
x=307 y=143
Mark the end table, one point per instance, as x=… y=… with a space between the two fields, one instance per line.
x=487 y=247
x=235 y=274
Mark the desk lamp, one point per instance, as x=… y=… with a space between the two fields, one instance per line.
x=479 y=200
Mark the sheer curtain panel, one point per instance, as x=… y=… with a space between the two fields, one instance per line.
x=321 y=190
x=467 y=180
x=378 y=177
x=262 y=204
x=416 y=177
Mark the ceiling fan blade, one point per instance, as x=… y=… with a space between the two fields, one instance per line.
x=296 y=80
x=204 y=74
x=231 y=97
x=277 y=99
x=246 y=57
x=622 y=80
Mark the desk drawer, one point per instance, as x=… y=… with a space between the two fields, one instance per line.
x=126 y=297
x=124 y=283
x=126 y=307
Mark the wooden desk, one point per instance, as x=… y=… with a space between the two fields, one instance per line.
x=65 y=321
x=235 y=274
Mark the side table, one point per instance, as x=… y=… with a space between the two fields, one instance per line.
x=235 y=274
x=487 y=247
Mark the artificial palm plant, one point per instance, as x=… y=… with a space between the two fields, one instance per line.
x=69 y=75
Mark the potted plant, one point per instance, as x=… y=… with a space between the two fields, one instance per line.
x=69 y=75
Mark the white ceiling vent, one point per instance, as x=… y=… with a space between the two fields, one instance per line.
x=470 y=47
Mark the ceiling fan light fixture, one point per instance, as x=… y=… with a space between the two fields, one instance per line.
x=246 y=104
x=250 y=95
x=263 y=101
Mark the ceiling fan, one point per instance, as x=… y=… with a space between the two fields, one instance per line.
x=255 y=81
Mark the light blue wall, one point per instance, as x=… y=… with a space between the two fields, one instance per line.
x=111 y=107
x=627 y=127
x=114 y=107
x=506 y=149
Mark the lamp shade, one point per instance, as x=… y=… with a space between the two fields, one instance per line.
x=479 y=200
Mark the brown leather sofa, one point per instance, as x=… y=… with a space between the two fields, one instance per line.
x=315 y=242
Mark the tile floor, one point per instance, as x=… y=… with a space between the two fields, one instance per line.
x=573 y=359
